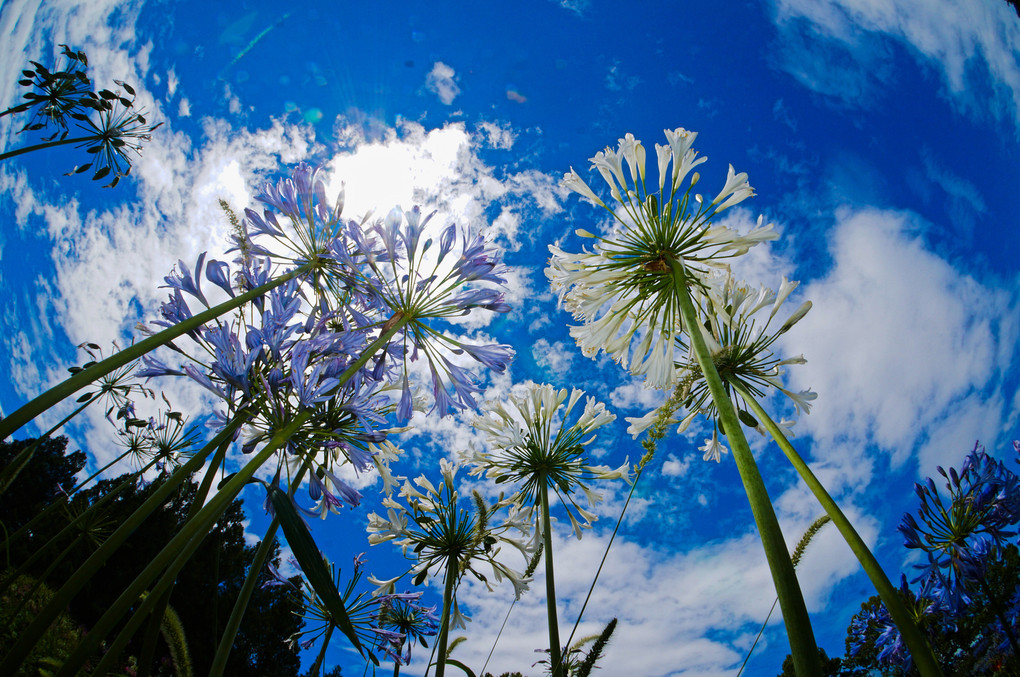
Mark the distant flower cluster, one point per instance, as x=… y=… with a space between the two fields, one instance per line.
x=968 y=539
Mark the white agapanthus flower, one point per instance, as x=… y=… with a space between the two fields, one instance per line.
x=737 y=327
x=622 y=291
x=533 y=448
x=434 y=526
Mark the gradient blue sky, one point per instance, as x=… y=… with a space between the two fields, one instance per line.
x=881 y=138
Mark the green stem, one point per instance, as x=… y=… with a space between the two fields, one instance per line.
x=42 y=146
x=316 y=668
x=157 y=618
x=550 y=583
x=40 y=578
x=63 y=597
x=219 y=663
x=29 y=564
x=915 y=640
x=83 y=378
x=176 y=553
x=452 y=567
x=791 y=600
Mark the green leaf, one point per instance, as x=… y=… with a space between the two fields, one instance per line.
x=86 y=397
x=457 y=664
x=308 y=556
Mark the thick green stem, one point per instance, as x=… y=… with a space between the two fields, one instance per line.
x=63 y=597
x=791 y=600
x=157 y=618
x=178 y=550
x=920 y=651
x=452 y=569
x=219 y=663
x=29 y=564
x=42 y=146
x=83 y=378
x=550 y=583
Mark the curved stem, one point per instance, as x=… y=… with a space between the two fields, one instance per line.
x=41 y=146
x=550 y=583
x=798 y=625
x=29 y=564
x=915 y=640
x=156 y=621
x=31 y=409
x=17 y=464
x=176 y=552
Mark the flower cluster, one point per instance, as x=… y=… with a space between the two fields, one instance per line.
x=432 y=526
x=390 y=622
x=959 y=537
x=402 y=273
x=736 y=328
x=355 y=305
x=623 y=290
x=967 y=593
x=534 y=449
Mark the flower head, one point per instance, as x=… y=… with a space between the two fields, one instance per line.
x=533 y=448
x=622 y=291
x=738 y=331
x=960 y=537
x=433 y=526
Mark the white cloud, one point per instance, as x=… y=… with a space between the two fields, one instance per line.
x=675 y=609
x=184 y=108
x=441 y=82
x=955 y=37
x=898 y=343
x=635 y=395
x=556 y=358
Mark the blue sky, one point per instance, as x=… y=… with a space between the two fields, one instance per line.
x=881 y=139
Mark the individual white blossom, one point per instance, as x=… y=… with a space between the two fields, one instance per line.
x=622 y=291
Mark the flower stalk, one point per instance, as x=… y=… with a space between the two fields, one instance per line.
x=912 y=636
x=68 y=387
x=452 y=571
x=791 y=600
x=550 y=582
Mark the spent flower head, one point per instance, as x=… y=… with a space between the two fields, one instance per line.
x=534 y=448
x=622 y=290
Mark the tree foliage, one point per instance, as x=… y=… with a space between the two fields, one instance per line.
x=206 y=588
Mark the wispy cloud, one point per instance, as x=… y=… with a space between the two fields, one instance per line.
x=899 y=343
x=840 y=48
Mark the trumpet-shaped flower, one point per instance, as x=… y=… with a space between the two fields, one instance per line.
x=737 y=330
x=418 y=286
x=623 y=289
x=533 y=447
